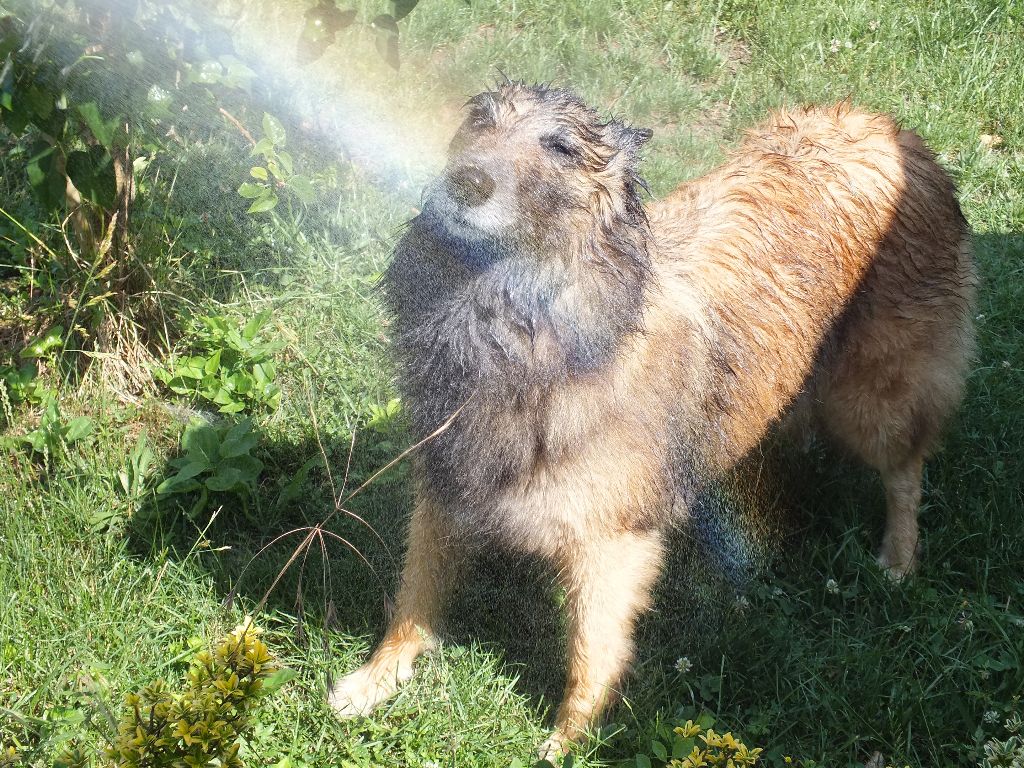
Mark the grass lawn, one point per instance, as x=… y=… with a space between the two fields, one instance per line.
x=807 y=651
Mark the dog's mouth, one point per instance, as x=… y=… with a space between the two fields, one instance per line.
x=452 y=231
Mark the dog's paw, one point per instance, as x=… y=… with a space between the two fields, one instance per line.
x=554 y=748
x=897 y=566
x=362 y=691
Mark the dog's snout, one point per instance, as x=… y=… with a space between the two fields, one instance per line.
x=471 y=185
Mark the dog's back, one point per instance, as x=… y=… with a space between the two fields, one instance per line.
x=829 y=257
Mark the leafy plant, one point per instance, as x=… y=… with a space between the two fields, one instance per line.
x=53 y=435
x=22 y=384
x=217 y=460
x=697 y=745
x=231 y=367
x=277 y=172
x=133 y=481
x=132 y=477
x=704 y=747
x=324 y=20
x=202 y=723
x=1008 y=753
x=91 y=90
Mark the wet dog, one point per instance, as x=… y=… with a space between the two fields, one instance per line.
x=591 y=362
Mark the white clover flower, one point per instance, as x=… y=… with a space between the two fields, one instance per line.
x=832 y=587
x=683 y=665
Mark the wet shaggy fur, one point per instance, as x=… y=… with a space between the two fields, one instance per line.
x=605 y=359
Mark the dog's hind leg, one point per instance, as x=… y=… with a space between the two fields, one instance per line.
x=607 y=583
x=899 y=551
x=891 y=392
x=430 y=564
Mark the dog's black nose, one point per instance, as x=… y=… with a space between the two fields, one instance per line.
x=471 y=185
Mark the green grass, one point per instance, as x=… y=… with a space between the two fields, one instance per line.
x=802 y=666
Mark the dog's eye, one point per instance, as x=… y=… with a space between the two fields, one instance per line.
x=558 y=145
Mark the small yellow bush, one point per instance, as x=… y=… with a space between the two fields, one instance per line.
x=713 y=749
x=197 y=726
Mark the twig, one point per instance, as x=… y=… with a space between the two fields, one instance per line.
x=234 y=121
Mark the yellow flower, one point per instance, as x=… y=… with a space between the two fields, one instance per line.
x=687 y=730
x=695 y=759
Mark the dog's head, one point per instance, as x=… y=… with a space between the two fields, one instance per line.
x=533 y=167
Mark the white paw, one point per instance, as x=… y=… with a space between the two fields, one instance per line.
x=897 y=568
x=362 y=691
x=554 y=748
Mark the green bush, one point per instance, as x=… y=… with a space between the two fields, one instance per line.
x=200 y=724
x=230 y=366
x=215 y=459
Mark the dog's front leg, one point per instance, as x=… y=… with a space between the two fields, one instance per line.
x=608 y=583
x=430 y=563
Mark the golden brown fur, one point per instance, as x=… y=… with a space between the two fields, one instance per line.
x=826 y=263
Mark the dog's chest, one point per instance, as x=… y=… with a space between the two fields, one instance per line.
x=539 y=476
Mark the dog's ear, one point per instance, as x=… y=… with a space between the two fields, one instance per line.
x=627 y=137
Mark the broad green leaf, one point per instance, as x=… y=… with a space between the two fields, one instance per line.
x=223 y=396
x=286 y=162
x=208 y=72
x=36 y=439
x=48 y=183
x=184 y=480
x=241 y=382
x=258 y=172
x=92 y=173
x=303 y=188
x=213 y=364
x=273 y=129
x=274 y=682
x=201 y=442
x=255 y=324
x=403 y=8
x=238 y=441
x=249 y=466
x=39 y=346
x=237 y=341
x=264 y=372
x=78 y=428
x=99 y=128
x=682 y=747
x=39 y=102
x=216 y=323
x=263 y=147
x=225 y=479
x=263 y=204
x=251 y=191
